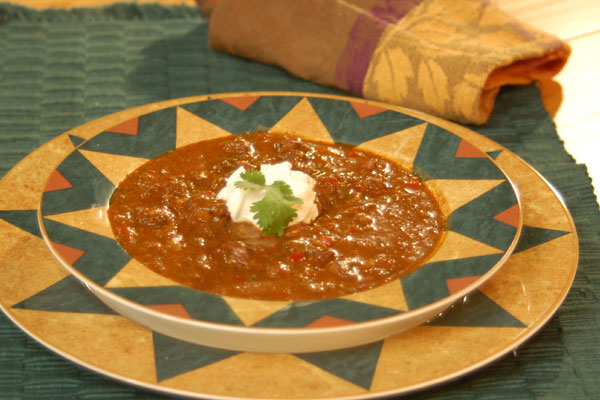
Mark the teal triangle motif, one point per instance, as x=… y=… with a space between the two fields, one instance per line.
x=261 y=115
x=26 y=220
x=174 y=357
x=345 y=126
x=428 y=283
x=299 y=315
x=436 y=159
x=356 y=364
x=199 y=305
x=476 y=218
x=531 y=237
x=67 y=295
x=477 y=310
x=494 y=154
x=76 y=140
x=90 y=187
x=103 y=257
x=156 y=136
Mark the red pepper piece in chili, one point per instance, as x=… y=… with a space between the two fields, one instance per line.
x=296 y=256
x=413 y=185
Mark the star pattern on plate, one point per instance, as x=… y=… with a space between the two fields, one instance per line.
x=127 y=145
x=136 y=140
x=124 y=146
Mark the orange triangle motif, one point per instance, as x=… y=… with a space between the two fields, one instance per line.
x=467 y=150
x=68 y=253
x=126 y=128
x=455 y=285
x=327 y=321
x=177 y=310
x=510 y=216
x=364 y=110
x=57 y=182
x=241 y=103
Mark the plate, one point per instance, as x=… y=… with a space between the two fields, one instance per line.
x=478 y=200
x=47 y=303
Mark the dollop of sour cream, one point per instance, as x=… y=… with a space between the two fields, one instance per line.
x=239 y=200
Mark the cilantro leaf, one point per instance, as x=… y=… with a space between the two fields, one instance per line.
x=274 y=211
x=254 y=176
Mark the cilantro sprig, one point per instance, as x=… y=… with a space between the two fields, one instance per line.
x=274 y=212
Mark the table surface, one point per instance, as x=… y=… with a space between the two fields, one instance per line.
x=577 y=113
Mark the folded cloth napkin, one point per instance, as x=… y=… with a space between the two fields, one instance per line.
x=444 y=57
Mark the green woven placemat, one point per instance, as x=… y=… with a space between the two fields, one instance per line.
x=59 y=69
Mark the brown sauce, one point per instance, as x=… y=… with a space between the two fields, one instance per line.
x=377 y=221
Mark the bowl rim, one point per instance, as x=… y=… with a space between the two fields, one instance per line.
x=420 y=311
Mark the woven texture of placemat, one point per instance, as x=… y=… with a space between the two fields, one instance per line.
x=59 y=69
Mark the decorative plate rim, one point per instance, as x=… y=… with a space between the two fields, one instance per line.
x=527 y=333
x=416 y=312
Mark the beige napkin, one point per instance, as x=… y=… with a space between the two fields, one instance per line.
x=444 y=57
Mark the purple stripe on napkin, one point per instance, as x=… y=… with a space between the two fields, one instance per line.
x=352 y=66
